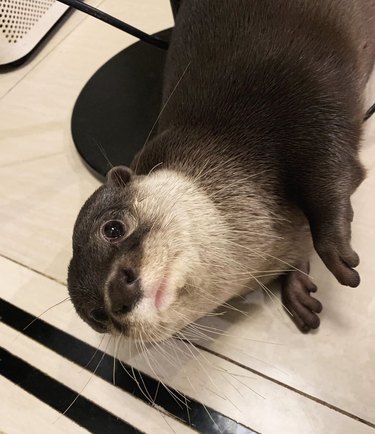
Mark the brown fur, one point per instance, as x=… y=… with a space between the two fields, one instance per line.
x=257 y=144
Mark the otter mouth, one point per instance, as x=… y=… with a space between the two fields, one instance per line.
x=153 y=302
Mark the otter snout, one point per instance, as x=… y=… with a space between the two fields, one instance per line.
x=124 y=291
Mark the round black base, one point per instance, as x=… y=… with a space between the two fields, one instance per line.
x=117 y=108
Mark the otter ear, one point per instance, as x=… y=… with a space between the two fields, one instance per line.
x=119 y=176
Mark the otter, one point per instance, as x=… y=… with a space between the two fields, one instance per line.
x=251 y=167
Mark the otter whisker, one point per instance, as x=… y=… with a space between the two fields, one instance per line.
x=238 y=390
x=200 y=364
x=158 y=347
x=216 y=300
x=166 y=421
x=155 y=396
x=269 y=255
x=156 y=165
x=272 y=296
x=186 y=342
x=247 y=355
x=86 y=384
x=176 y=348
x=187 y=410
x=102 y=151
x=160 y=113
x=165 y=355
x=204 y=406
x=208 y=314
x=246 y=385
x=126 y=371
x=39 y=316
x=183 y=337
x=176 y=398
x=95 y=353
x=145 y=394
x=140 y=374
x=217 y=331
x=152 y=401
x=156 y=392
x=223 y=371
x=160 y=378
x=228 y=344
x=115 y=357
x=173 y=395
x=124 y=368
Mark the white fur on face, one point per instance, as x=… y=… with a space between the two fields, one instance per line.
x=169 y=253
x=195 y=256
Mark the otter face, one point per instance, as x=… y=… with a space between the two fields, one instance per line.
x=134 y=256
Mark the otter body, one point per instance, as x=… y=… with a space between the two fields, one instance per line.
x=253 y=163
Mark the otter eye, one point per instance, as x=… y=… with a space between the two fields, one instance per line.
x=99 y=315
x=113 y=230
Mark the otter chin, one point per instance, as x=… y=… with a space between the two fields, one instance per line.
x=251 y=167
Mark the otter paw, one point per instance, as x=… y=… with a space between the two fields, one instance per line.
x=296 y=296
x=331 y=235
x=341 y=260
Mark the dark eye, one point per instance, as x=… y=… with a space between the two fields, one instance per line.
x=99 y=315
x=113 y=230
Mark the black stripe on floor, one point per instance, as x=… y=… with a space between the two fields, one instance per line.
x=84 y=412
x=81 y=353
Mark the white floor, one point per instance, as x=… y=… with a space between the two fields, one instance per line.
x=272 y=379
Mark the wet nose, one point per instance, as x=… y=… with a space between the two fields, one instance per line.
x=124 y=291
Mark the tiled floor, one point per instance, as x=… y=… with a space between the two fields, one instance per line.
x=262 y=373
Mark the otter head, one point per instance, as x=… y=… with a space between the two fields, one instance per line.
x=137 y=255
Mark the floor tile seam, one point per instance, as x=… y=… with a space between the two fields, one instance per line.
x=228 y=359
x=289 y=387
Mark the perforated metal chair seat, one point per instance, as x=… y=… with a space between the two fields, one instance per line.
x=23 y=24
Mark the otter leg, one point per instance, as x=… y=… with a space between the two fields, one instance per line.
x=296 y=296
x=331 y=234
x=325 y=200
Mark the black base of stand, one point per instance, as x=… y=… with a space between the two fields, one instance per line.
x=118 y=106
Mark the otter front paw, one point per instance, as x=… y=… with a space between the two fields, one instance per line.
x=296 y=296
x=341 y=260
x=332 y=243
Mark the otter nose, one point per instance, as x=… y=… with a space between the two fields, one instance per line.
x=124 y=291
